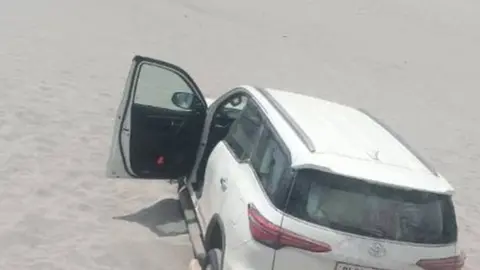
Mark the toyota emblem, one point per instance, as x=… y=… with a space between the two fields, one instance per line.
x=377 y=250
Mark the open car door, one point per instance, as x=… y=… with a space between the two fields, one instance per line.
x=158 y=124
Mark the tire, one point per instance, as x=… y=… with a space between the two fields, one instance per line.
x=213 y=261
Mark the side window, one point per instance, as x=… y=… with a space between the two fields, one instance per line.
x=156 y=86
x=244 y=132
x=272 y=167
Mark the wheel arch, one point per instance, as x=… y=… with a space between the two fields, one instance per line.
x=215 y=234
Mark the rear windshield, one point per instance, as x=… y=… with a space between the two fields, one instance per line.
x=355 y=206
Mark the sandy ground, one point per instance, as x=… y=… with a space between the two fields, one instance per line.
x=63 y=63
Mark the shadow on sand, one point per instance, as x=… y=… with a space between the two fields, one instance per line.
x=164 y=218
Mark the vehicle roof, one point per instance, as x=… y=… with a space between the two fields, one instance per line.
x=346 y=141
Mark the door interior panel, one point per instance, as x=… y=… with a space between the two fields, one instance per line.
x=163 y=142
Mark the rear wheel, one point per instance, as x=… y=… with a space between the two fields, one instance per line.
x=214 y=260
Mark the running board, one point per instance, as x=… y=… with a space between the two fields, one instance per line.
x=193 y=228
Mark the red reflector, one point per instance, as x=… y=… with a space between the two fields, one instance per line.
x=271 y=235
x=450 y=263
x=160 y=160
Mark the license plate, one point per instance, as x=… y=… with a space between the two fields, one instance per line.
x=344 y=266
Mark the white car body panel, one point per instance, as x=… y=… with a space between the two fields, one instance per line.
x=213 y=196
x=115 y=164
x=242 y=252
x=354 y=250
x=231 y=204
x=373 y=172
x=349 y=153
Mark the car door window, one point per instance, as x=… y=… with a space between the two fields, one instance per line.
x=244 y=132
x=156 y=86
x=271 y=164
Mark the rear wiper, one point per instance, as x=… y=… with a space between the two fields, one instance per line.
x=376 y=233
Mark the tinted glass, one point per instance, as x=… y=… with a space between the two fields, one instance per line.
x=270 y=163
x=156 y=86
x=358 y=207
x=245 y=131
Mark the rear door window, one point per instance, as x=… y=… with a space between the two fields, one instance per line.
x=245 y=131
x=357 y=207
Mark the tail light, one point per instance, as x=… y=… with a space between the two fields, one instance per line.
x=450 y=263
x=273 y=236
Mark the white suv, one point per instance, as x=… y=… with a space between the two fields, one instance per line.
x=283 y=181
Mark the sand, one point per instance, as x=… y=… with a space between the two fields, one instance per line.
x=413 y=63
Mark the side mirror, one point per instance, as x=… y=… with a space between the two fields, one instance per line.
x=183 y=100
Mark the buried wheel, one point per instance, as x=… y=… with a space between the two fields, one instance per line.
x=213 y=261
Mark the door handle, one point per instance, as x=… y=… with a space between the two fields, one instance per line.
x=223 y=183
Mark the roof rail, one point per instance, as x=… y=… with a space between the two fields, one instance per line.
x=402 y=141
x=291 y=122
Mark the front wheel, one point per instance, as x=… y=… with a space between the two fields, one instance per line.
x=213 y=261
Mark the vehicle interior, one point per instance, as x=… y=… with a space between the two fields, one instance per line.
x=163 y=141
x=223 y=118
